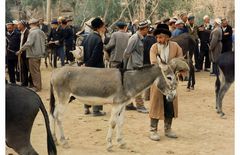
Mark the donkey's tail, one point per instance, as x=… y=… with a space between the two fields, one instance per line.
x=52 y=99
x=50 y=142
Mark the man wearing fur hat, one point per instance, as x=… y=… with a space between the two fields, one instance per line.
x=93 y=55
x=160 y=108
x=133 y=57
x=215 y=47
x=35 y=47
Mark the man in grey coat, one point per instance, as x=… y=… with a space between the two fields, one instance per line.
x=215 y=46
x=35 y=50
x=133 y=58
x=117 y=44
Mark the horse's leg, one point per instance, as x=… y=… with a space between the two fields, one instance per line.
x=63 y=97
x=119 y=126
x=112 y=123
x=221 y=94
x=52 y=118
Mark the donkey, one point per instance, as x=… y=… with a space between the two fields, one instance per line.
x=188 y=45
x=22 y=106
x=109 y=86
x=225 y=78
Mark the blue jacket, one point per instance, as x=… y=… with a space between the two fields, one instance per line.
x=177 y=32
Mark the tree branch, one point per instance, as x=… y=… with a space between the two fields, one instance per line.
x=154 y=9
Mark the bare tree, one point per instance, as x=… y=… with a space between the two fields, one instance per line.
x=49 y=11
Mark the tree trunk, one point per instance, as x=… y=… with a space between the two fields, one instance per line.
x=142 y=10
x=59 y=7
x=49 y=11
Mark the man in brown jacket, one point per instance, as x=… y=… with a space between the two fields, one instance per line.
x=160 y=108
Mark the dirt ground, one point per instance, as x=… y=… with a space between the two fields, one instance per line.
x=200 y=130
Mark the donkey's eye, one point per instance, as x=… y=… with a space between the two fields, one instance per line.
x=169 y=78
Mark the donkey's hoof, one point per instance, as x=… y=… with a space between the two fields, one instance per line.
x=223 y=116
x=122 y=145
x=109 y=147
x=65 y=145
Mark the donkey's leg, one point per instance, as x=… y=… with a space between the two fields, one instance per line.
x=63 y=99
x=119 y=126
x=112 y=124
x=221 y=94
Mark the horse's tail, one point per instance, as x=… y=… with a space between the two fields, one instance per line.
x=217 y=84
x=52 y=99
x=50 y=142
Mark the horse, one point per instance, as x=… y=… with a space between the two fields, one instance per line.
x=188 y=45
x=109 y=86
x=225 y=78
x=22 y=106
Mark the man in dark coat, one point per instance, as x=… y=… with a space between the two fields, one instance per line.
x=55 y=39
x=204 y=34
x=68 y=40
x=13 y=42
x=93 y=55
x=227 y=36
x=25 y=78
x=148 y=41
x=43 y=26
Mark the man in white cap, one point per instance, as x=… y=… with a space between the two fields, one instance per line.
x=215 y=47
x=133 y=58
x=35 y=50
x=179 y=28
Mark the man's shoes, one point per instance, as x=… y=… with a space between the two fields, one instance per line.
x=170 y=134
x=212 y=74
x=142 y=109
x=207 y=70
x=130 y=107
x=197 y=70
x=86 y=111
x=154 y=136
x=99 y=113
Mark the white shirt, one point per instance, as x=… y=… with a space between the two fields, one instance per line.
x=163 y=50
x=22 y=35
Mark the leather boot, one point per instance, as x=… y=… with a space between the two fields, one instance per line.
x=167 y=127
x=153 y=130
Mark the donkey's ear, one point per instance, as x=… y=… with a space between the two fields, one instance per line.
x=158 y=59
x=179 y=64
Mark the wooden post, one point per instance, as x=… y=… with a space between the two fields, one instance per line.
x=49 y=11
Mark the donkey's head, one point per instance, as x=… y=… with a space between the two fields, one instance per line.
x=167 y=82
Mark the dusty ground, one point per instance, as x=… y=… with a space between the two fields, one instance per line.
x=200 y=130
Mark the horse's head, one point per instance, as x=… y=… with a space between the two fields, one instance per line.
x=167 y=81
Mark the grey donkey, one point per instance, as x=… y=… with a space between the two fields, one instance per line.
x=108 y=86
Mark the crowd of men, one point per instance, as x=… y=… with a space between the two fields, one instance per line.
x=131 y=46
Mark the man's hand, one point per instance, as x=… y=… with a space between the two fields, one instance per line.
x=18 y=52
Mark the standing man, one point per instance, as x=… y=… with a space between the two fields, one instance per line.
x=93 y=56
x=204 y=34
x=148 y=41
x=68 y=41
x=117 y=44
x=227 y=36
x=134 y=54
x=184 y=18
x=179 y=28
x=215 y=47
x=43 y=26
x=25 y=76
x=193 y=31
x=13 y=42
x=55 y=39
x=160 y=108
x=35 y=50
